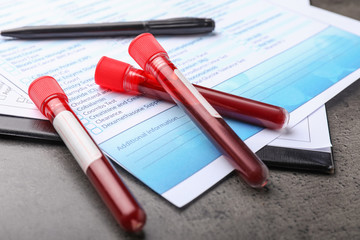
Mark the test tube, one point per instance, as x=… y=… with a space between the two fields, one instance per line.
x=122 y=77
x=51 y=100
x=150 y=55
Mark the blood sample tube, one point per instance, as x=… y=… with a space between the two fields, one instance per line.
x=122 y=77
x=150 y=55
x=51 y=100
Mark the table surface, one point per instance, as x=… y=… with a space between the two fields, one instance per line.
x=45 y=195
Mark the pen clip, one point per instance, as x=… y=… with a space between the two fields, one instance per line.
x=183 y=25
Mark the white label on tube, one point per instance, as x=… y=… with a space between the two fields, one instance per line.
x=76 y=139
x=196 y=93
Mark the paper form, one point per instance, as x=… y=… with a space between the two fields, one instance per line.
x=311 y=133
x=259 y=50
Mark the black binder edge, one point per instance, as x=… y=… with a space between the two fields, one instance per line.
x=273 y=157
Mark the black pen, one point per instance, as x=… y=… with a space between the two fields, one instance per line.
x=172 y=26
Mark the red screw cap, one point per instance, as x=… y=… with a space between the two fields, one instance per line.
x=109 y=73
x=43 y=88
x=143 y=47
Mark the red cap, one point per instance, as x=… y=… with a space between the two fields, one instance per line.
x=42 y=88
x=109 y=73
x=143 y=47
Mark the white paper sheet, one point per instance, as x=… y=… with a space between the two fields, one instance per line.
x=310 y=134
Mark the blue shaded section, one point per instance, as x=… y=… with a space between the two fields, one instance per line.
x=294 y=77
x=168 y=148
x=163 y=150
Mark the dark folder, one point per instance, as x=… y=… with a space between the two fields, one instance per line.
x=299 y=159
x=273 y=157
x=28 y=128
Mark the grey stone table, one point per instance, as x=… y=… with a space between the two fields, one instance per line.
x=45 y=195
